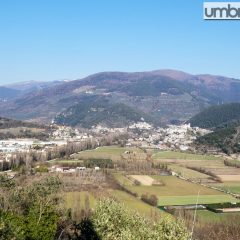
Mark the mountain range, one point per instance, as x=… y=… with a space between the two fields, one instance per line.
x=161 y=96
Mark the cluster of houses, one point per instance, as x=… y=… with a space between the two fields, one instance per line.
x=60 y=169
x=25 y=145
x=141 y=125
x=14 y=145
x=171 y=137
x=181 y=136
x=67 y=133
x=98 y=129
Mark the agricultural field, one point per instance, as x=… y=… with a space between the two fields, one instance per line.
x=187 y=173
x=143 y=179
x=233 y=187
x=229 y=177
x=174 y=191
x=76 y=201
x=112 y=152
x=181 y=162
x=208 y=216
x=204 y=216
x=169 y=190
x=184 y=156
x=166 y=186
x=65 y=161
x=135 y=204
x=192 y=199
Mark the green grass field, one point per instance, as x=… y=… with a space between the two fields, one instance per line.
x=76 y=202
x=186 y=172
x=110 y=152
x=135 y=204
x=191 y=199
x=56 y=161
x=208 y=216
x=176 y=191
x=233 y=187
x=179 y=162
x=114 y=150
x=107 y=152
x=181 y=155
x=173 y=186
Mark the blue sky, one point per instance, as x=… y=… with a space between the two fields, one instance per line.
x=66 y=39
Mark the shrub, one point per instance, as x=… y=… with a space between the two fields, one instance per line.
x=137 y=183
x=151 y=200
x=95 y=162
x=41 y=169
x=232 y=163
x=112 y=221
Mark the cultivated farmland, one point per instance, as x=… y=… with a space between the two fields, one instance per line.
x=201 y=168
x=174 y=191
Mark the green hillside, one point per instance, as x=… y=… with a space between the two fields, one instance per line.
x=226 y=139
x=98 y=110
x=217 y=116
x=10 y=128
x=10 y=123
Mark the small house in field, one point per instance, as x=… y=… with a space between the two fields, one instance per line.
x=55 y=169
x=58 y=169
x=81 y=168
x=66 y=169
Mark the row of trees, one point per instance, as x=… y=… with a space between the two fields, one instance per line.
x=232 y=163
x=28 y=133
x=30 y=158
x=33 y=156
